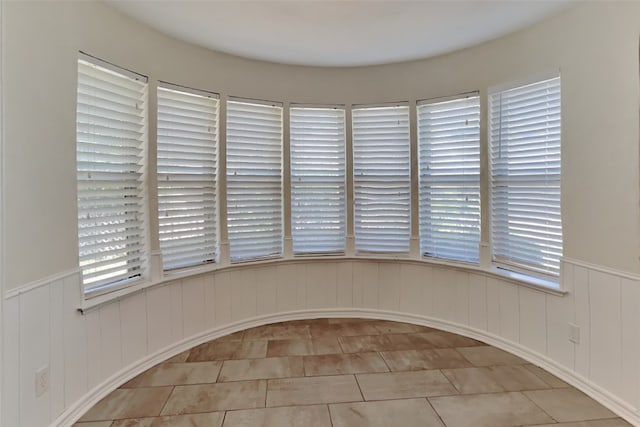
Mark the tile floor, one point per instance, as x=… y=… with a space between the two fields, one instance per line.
x=346 y=373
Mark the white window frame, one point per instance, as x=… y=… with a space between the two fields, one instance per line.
x=103 y=152
x=187 y=175
x=548 y=270
x=318 y=179
x=449 y=170
x=377 y=210
x=251 y=237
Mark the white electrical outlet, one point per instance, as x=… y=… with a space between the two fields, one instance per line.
x=42 y=380
x=574 y=333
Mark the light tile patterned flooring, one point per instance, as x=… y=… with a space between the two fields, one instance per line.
x=346 y=373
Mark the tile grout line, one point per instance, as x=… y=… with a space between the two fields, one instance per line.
x=359 y=388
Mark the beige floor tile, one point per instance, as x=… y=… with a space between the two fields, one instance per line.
x=343 y=329
x=415 y=360
x=326 y=345
x=211 y=419
x=516 y=378
x=129 y=403
x=177 y=374
x=613 y=422
x=366 y=343
x=400 y=385
x=569 y=404
x=472 y=380
x=236 y=336
x=388 y=327
x=488 y=410
x=313 y=390
x=335 y=364
x=489 y=356
x=228 y=351
x=257 y=369
x=548 y=378
x=179 y=358
x=288 y=416
x=94 y=424
x=405 y=413
x=442 y=339
x=216 y=397
x=278 y=331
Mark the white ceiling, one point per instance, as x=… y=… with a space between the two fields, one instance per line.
x=337 y=32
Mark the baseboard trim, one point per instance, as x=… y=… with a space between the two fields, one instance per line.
x=613 y=403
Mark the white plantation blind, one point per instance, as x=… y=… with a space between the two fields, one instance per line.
x=110 y=133
x=382 y=179
x=187 y=164
x=254 y=180
x=317 y=180
x=525 y=177
x=449 y=164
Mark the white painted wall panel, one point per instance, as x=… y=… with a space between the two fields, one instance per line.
x=461 y=306
x=344 y=284
x=110 y=339
x=177 y=317
x=560 y=313
x=411 y=289
x=209 y=302
x=193 y=305
x=266 y=288
x=321 y=285
x=509 y=312
x=582 y=319
x=159 y=318
x=75 y=343
x=300 y=283
x=56 y=360
x=243 y=294
x=35 y=336
x=533 y=320
x=389 y=286
x=444 y=294
x=428 y=295
x=370 y=285
x=287 y=288
x=630 y=316
x=222 y=285
x=478 y=302
x=94 y=350
x=134 y=332
x=493 y=305
x=11 y=363
x=606 y=330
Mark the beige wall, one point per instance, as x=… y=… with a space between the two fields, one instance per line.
x=595 y=45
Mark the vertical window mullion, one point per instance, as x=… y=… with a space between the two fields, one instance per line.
x=382 y=179
x=110 y=141
x=187 y=177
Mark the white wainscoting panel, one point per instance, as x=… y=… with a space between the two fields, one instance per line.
x=11 y=362
x=91 y=354
x=533 y=316
x=133 y=326
x=159 y=319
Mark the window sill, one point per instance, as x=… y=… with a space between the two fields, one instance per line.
x=520 y=279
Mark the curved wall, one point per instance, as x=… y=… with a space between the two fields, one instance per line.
x=595 y=45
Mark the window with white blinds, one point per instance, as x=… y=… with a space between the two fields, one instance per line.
x=110 y=135
x=187 y=164
x=318 y=211
x=449 y=178
x=525 y=177
x=254 y=180
x=382 y=179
